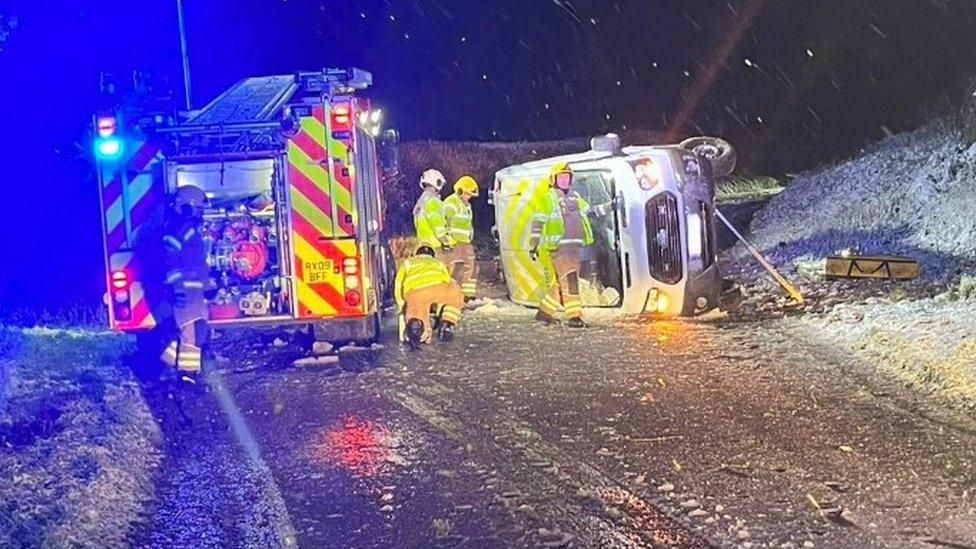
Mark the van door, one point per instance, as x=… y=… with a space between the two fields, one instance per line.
x=601 y=274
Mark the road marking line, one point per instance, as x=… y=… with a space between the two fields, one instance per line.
x=283 y=525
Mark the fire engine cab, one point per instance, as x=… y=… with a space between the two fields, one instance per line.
x=295 y=214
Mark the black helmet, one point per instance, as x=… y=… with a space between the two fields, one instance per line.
x=425 y=250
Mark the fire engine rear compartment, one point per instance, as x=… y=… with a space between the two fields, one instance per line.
x=246 y=235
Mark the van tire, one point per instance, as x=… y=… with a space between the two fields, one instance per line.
x=719 y=153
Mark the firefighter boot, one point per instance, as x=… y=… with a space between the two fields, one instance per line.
x=545 y=317
x=415 y=332
x=447 y=331
x=576 y=323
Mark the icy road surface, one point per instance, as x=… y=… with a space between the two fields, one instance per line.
x=687 y=433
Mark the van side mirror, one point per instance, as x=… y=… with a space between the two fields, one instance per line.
x=389 y=154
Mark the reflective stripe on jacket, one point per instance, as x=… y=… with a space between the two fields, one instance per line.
x=460 y=220
x=550 y=227
x=428 y=220
x=416 y=272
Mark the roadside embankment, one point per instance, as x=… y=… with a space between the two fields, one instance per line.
x=78 y=445
x=912 y=195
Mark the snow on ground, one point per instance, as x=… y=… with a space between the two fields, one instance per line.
x=929 y=343
x=914 y=195
x=911 y=194
x=78 y=446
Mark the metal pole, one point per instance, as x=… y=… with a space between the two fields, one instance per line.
x=183 y=52
x=780 y=279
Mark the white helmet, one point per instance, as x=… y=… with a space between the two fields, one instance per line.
x=434 y=178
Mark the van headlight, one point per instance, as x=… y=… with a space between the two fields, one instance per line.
x=694 y=235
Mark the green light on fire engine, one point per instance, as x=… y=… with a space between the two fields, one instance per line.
x=108 y=148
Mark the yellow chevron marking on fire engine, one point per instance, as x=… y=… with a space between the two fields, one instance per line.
x=321 y=218
x=341 y=197
x=314 y=128
x=140 y=185
x=311 y=213
x=306 y=295
x=311 y=299
x=308 y=166
x=347 y=247
x=113 y=215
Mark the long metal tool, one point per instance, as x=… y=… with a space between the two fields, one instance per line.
x=780 y=279
x=183 y=53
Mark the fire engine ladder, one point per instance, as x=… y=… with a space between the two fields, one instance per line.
x=251 y=100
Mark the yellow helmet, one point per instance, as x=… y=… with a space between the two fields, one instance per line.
x=560 y=176
x=467 y=184
x=559 y=167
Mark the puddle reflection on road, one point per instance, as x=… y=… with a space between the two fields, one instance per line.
x=361 y=446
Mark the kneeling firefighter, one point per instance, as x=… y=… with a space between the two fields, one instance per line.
x=461 y=260
x=186 y=277
x=562 y=229
x=423 y=281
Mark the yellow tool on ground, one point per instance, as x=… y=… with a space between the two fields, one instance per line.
x=790 y=289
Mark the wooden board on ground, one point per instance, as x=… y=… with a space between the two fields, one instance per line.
x=889 y=267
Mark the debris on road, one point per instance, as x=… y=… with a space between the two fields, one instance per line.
x=322 y=347
x=311 y=361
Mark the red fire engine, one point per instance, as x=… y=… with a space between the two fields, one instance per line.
x=290 y=166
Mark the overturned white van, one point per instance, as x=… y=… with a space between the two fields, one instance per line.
x=654 y=250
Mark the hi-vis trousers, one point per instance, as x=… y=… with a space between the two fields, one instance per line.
x=185 y=352
x=564 y=293
x=447 y=296
x=463 y=265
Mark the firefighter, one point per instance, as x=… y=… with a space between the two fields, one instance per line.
x=428 y=213
x=562 y=229
x=461 y=260
x=423 y=281
x=186 y=277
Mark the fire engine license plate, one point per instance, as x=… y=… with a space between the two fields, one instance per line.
x=318 y=272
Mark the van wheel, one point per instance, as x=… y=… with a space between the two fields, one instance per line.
x=719 y=153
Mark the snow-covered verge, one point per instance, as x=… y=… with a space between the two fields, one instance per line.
x=911 y=194
x=78 y=446
x=914 y=195
x=929 y=344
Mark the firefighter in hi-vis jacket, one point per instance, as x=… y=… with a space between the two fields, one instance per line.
x=562 y=228
x=186 y=278
x=423 y=281
x=461 y=260
x=428 y=213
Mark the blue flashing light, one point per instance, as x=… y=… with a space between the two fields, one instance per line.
x=109 y=148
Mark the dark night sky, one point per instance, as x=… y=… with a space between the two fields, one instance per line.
x=810 y=80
